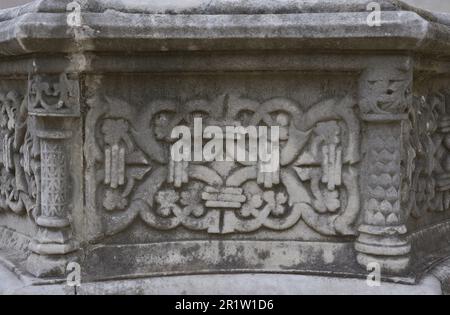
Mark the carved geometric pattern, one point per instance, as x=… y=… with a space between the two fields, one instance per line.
x=53 y=178
x=317 y=181
x=383 y=194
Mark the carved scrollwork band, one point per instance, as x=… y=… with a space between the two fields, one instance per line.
x=317 y=181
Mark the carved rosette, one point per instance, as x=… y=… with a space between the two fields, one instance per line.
x=386 y=96
x=53 y=101
x=316 y=181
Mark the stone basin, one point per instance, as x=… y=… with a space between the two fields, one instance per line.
x=90 y=92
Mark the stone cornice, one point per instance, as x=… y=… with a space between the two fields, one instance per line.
x=42 y=27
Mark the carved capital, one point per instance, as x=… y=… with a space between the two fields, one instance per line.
x=53 y=95
x=386 y=89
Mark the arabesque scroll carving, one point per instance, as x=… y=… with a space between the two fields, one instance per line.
x=429 y=150
x=317 y=181
x=19 y=156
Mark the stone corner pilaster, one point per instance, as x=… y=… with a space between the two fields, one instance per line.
x=54 y=100
x=386 y=95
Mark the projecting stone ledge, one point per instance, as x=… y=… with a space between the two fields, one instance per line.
x=91 y=92
x=235 y=284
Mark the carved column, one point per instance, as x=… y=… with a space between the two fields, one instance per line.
x=54 y=101
x=385 y=95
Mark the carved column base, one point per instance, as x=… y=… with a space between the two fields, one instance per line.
x=387 y=246
x=53 y=222
x=45 y=266
x=51 y=250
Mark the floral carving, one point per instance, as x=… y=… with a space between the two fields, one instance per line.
x=114 y=200
x=276 y=202
x=429 y=150
x=124 y=164
x=167 y=200
x=387 y=90
x=316 y=182
x=19 y=156
x=53 y=95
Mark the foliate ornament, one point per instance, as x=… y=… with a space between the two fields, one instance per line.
x=316 y=180
x=429 y=147
x=50 y=95
x=19 y=167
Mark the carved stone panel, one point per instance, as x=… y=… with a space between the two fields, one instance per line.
x=19 y=167
x=53 y=95
x=94 y=95
x=317 y=181
x=429 y=153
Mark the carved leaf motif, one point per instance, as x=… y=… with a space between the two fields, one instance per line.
x=428 y=152
x=53 y=95
x=237 y=197
x=167 y=200
x=18 y=190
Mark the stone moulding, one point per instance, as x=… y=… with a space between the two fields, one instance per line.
x=105 y=26
x=91 y=90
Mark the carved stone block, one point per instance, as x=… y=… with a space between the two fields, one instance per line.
x=91 y=100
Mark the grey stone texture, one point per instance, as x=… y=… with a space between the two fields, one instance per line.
x=433 y=5
x=231 y=284
x=90 y=92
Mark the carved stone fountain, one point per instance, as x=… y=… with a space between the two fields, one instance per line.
x=90 y=92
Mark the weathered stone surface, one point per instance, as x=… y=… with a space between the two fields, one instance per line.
x=87 y=175
x=235 y=284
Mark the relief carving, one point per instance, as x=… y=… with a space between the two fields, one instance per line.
x=53 y=104
x=385 y=97
x=317 y=181
x=19 y=156
x=53 y=95
x=383 y=233
x=383 y=196
x=386 y=90
x=429 y=153
x=53 y=179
